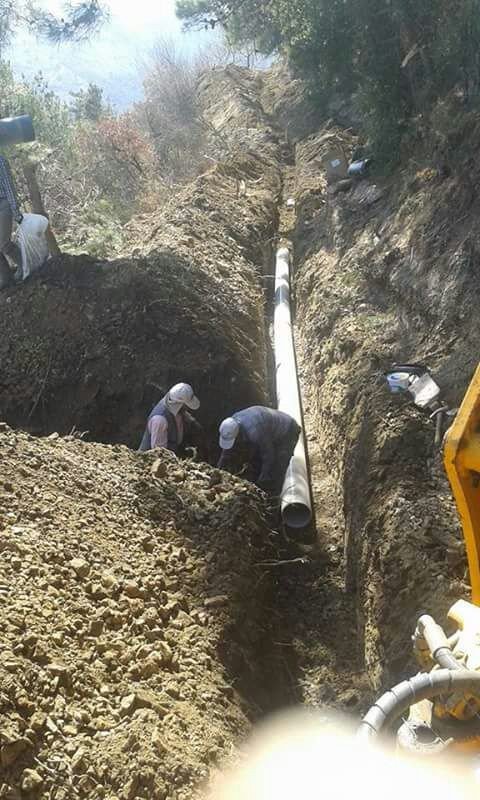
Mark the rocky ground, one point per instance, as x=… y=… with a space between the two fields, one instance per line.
x=131 y=631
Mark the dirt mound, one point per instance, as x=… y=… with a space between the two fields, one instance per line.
x=130 y=612
x=91 y=345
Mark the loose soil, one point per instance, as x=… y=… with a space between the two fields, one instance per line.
x=132 y=634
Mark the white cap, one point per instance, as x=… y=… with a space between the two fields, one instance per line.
x=228 y=430
x=182 y=394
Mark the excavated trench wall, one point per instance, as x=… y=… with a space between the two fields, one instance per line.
x=91 y=346
x=386 y=272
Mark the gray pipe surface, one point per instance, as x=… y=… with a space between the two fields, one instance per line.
x=424 y=686
x=296 y=502
x=437 y=642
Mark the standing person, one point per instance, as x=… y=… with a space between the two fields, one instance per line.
x=9 y=211
x=270 y=437
x=168 y=419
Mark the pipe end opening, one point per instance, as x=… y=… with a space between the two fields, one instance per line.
x=296 y=515
x=283 y=253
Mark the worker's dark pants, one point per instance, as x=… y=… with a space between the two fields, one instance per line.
x=284 y=452
x=7 y=247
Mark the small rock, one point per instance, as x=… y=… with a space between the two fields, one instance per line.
x=159 y=469
x=216 y=601
x=59 y=670
x=127 y=705
x=158 y=742
x=38 y=721
x=40 y=653
x=183 y=620
x=25 y=705
x=132 y=589
x=178 y=476
x=96 y=590
x=51 y=725
x=148 y=544
x=141 y=699
x=11 y=751
x=109 y=580
x=96 y=627
x=81 y=567
x=148 y=667
x=70 y=730
x=31 y=780
x=165 y=652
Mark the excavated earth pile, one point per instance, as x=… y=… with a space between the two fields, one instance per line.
x=129 y=595
x=91 y=346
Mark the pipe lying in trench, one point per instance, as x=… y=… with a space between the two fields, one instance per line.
x=296 y=502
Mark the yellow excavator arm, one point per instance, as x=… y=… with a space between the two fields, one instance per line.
x=462 y=463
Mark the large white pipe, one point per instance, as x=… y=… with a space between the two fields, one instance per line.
x=296 y=501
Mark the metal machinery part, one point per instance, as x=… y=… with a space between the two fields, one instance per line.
x=15 y=130
x=462 y=463
x=443 y=701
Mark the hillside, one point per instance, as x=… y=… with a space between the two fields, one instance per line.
x=155 y=607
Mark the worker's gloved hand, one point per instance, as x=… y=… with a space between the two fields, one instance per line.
x=195 y=426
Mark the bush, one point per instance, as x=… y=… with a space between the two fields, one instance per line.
x=400 y=56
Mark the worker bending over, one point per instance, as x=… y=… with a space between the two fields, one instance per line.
x=9 y=211
x=168 y=420
x=269 y=438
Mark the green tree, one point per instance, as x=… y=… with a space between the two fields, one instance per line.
x=88 y=104
x=399 y=55
x=78 y=20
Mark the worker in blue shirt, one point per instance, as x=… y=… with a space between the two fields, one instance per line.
x=269 y=438
x=9 y=211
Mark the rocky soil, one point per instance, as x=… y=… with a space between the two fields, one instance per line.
x=131 y=626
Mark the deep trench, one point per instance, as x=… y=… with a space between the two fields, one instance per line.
x=291 y=588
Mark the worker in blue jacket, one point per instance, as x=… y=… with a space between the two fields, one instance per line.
x=269 y=437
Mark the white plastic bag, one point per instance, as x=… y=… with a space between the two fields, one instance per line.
x=32 y=240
